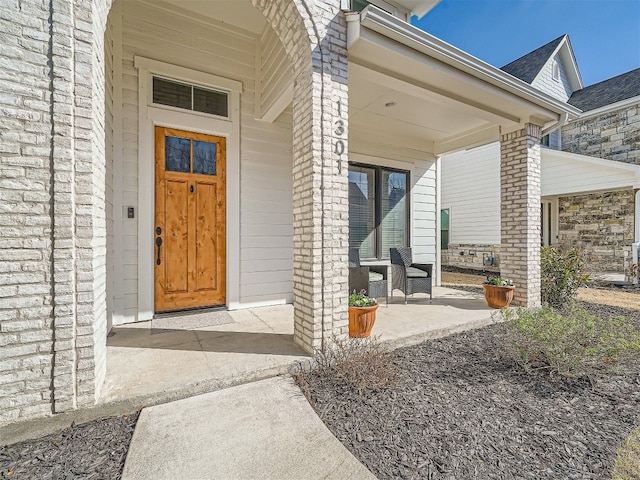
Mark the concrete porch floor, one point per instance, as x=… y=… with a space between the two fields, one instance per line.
x=167 y=359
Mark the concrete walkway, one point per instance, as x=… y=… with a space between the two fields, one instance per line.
x=262 y=430
x=209 y=421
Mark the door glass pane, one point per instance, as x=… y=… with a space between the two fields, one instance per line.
x=204 y=157
x=362 y=210
x=394 y=211
x=210 y=101
x=171 y=93
x=177 y=152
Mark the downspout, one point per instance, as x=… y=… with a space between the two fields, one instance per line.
x=560 y=123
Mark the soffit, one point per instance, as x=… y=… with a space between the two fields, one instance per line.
x=450 y=96
x=239 y=13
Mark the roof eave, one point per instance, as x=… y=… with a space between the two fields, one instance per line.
x=419 y=40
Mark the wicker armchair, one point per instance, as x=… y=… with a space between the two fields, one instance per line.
x=372 y=278
x=409 y=277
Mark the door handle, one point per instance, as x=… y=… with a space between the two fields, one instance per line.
x=158 y=243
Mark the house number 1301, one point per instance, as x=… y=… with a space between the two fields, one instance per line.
x=339 y=131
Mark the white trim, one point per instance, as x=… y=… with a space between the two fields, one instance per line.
x=119 y=219
x=148 y=117
x=395 y=29
x=609 y=108
x=601 y=162
x=188 y=75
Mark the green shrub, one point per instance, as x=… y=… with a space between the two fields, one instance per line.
x=573 y=343
x=561 y=275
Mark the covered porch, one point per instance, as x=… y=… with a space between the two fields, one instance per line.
x=176 y=357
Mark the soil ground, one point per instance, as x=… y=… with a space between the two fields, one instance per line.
x=599 y=293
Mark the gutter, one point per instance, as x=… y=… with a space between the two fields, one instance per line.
x=559 y=124
x=406 y=34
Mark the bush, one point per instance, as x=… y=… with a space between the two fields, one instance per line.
x=362 y=363
x=561 y=275
x=573 y=343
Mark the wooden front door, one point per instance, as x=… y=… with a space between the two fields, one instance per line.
x=189 y=236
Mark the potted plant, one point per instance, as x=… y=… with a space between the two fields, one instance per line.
x=498 y=291
x=362 y=314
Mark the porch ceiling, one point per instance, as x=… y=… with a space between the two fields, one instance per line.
x=239 y=13
x=442 y=97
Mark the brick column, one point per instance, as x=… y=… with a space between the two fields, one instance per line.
x=313 y=33
x=78 y=189
x=520 y=212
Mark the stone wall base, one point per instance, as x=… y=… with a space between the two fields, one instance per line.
x=472 y=256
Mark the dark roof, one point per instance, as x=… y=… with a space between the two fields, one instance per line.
x=607 y=92
x=528 y=66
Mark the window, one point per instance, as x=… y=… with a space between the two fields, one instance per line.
x=545 y=220
x=545 y=141
x=444 y=229
x=555 y=71
x=189 y=97
x=378 y=210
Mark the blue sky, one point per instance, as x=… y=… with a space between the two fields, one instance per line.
x=605 y=34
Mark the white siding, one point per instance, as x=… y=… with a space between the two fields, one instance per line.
x=266 y=246
x=544 y=80
x=422 y=170
x=568 y=174
x=108 y=134
x=275 y=77
x=471 y=190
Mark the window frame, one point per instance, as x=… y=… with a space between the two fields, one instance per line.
x=377 y=216
x=192 y=87
x=448 y=229
x=555 y=71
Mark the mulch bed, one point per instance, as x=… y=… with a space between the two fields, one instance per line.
x=459 y=409
x=92 y=450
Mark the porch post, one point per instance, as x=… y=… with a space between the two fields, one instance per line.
x=520 y=212
x=320 y=199
x=313 y=33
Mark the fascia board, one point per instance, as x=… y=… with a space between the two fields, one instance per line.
x=627 y=102
x=601 y=162
x=391 y=27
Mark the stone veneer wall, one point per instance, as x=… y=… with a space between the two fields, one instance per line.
x=452 y=257
x=612 y=135
x=602 y=225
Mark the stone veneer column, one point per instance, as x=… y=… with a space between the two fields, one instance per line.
x=520 y=212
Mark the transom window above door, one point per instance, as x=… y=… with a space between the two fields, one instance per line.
x=378 y=210
x=190 y=97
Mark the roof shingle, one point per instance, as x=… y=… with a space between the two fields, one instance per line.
x=608 y=91
x=528 y=66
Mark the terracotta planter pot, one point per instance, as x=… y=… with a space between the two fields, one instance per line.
x=361 y=320
x=498 y=297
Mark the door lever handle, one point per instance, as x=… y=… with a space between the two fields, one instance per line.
x=158 y=243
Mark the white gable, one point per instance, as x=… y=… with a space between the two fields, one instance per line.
x=555 y=84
